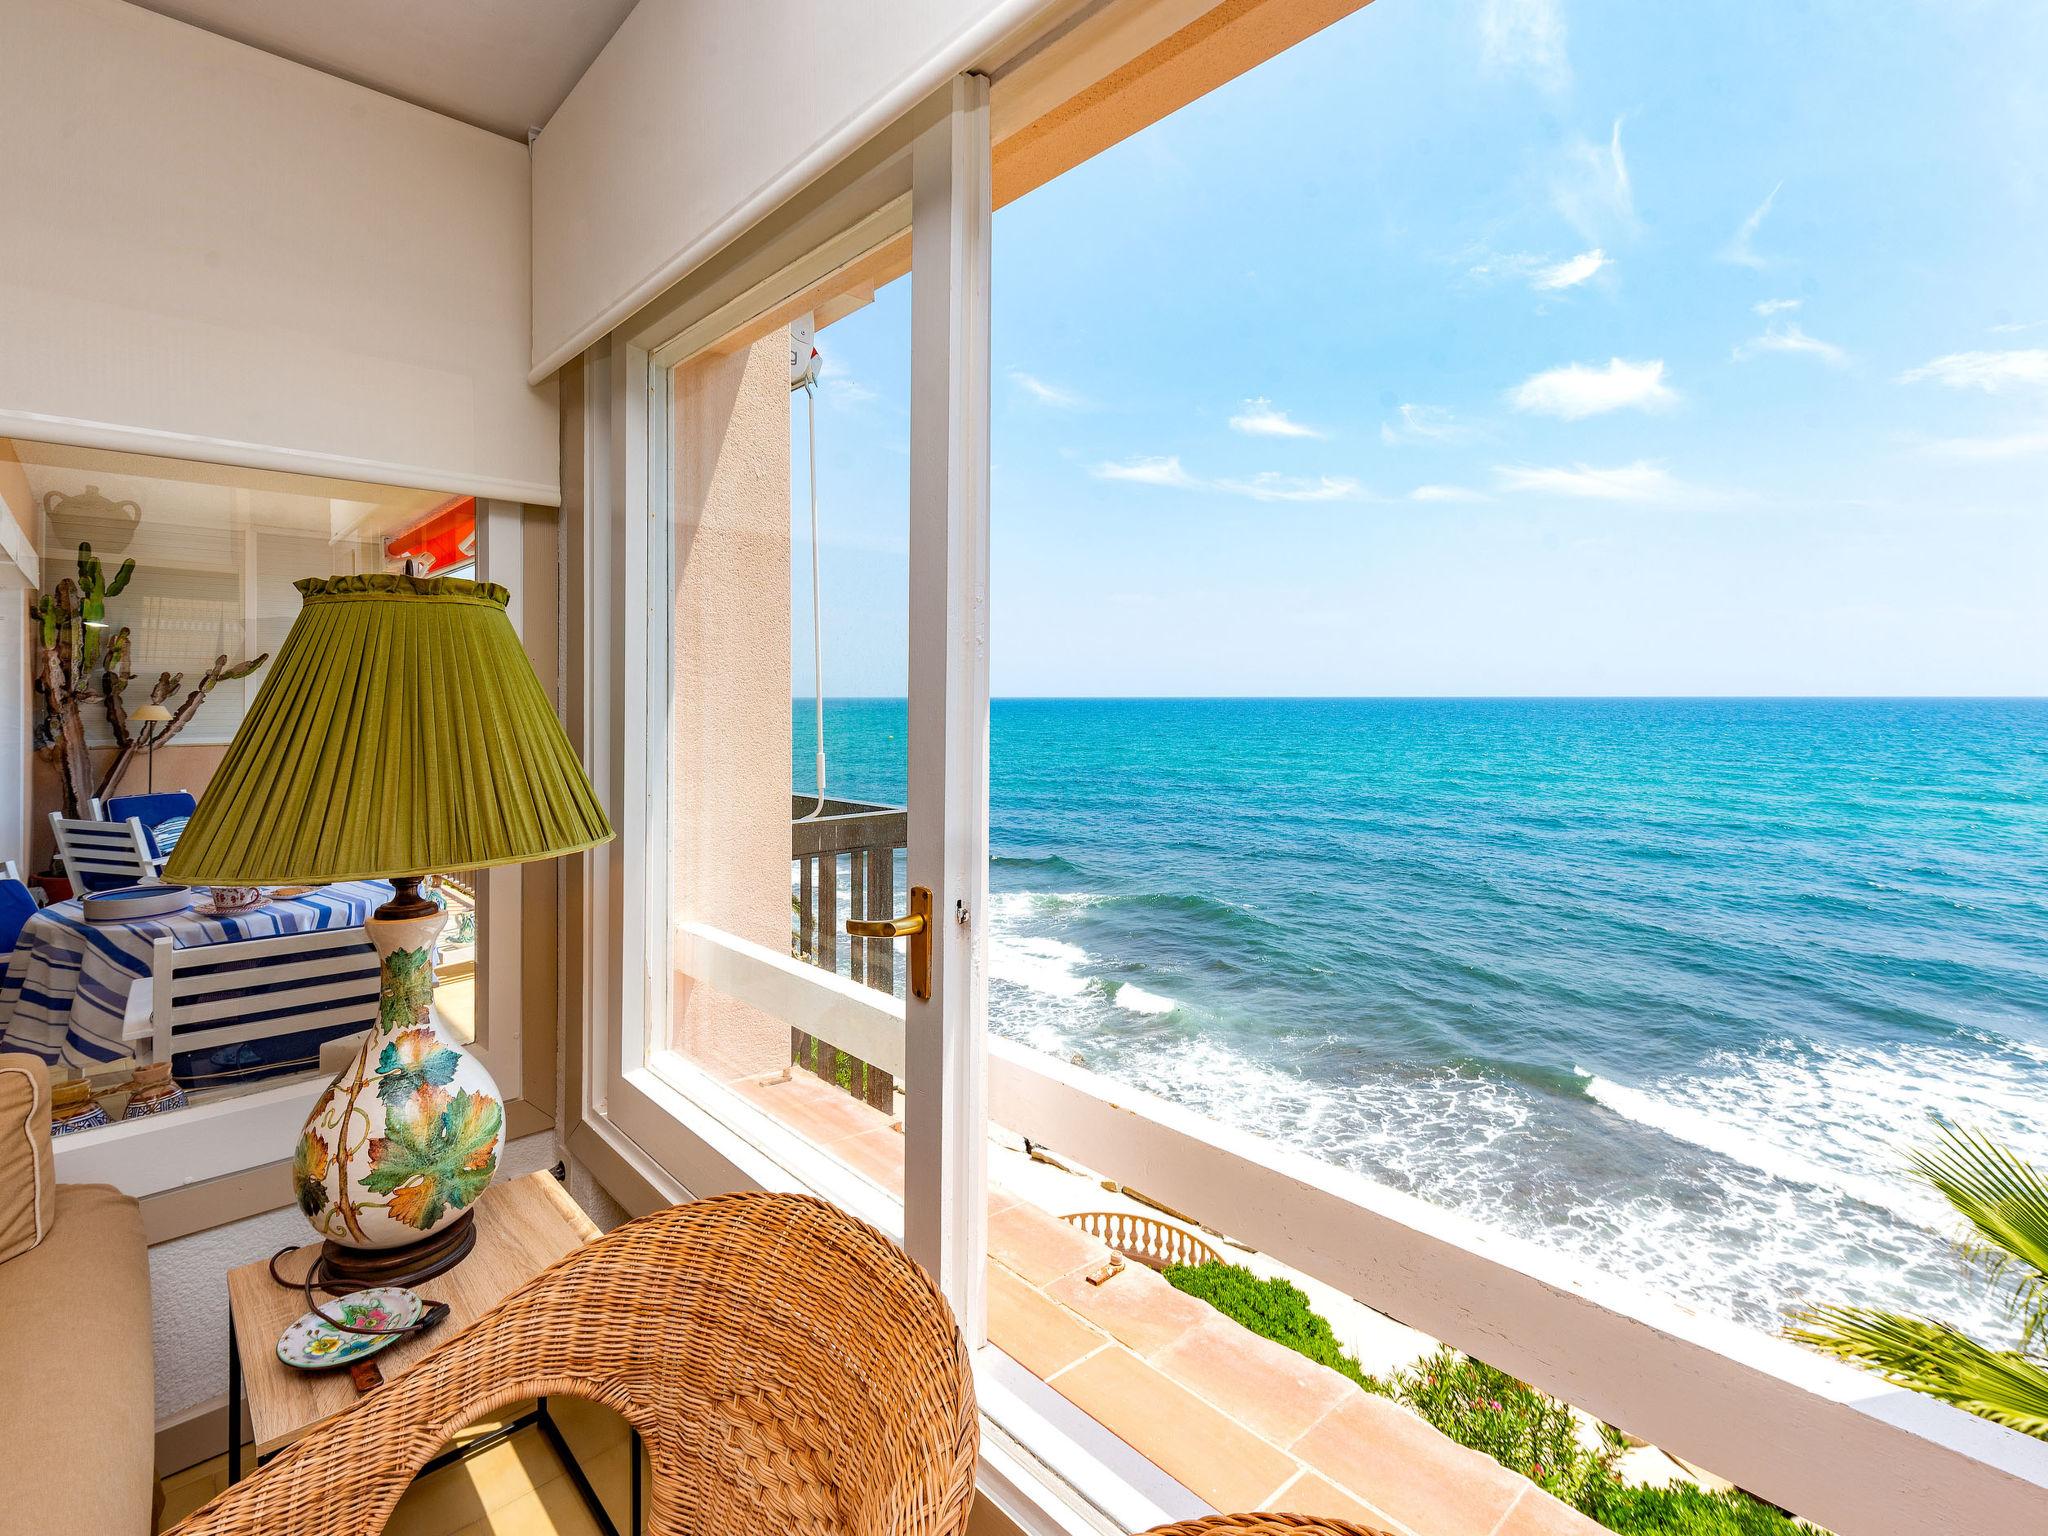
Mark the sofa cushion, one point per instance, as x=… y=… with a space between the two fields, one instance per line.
x=78 y=1375
x=28 y=1178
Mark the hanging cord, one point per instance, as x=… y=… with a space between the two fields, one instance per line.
x=817 y=603
x=434 y=1313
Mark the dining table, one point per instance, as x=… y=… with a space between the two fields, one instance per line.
x=77 y=991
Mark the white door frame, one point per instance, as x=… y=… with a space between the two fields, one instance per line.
x=945 y=1151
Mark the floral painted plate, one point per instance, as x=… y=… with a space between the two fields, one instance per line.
x=312 y=1345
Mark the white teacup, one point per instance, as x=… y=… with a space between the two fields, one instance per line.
x=236 y=898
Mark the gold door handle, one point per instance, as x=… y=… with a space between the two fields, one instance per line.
x=916 y=926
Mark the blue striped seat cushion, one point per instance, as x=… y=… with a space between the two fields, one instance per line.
x=165 y=834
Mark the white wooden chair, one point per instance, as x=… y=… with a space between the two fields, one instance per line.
x=103 y=854
x=257 y=989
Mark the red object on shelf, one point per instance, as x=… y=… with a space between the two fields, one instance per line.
x=444 y=538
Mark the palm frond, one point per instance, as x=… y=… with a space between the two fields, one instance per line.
x=1931 y=1357
x=2005 y=1199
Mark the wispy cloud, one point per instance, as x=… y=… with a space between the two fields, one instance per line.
x=1786 y=336
x=1164 y=470
x=1274 y=487
x=840 y=385
x=1579 y=390
x=2017 y=327
x=1167 y=470
x=1046 y=394
x=1422 y=424
x=1770 y=307
x=1525 y=37
x=1640 y=481
x=1741 y=247
x=1446 y=493
x=1591 y=191
x=2014 y=445
x=1261 y=418
x=1992 y=372
x=1570 y=272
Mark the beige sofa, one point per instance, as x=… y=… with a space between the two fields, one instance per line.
x=77 y=1373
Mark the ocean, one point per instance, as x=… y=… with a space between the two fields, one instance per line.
x=1668 y=984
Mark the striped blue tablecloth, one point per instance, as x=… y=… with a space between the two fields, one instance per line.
x=72 y=986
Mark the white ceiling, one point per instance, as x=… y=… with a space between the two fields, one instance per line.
x=504 y=65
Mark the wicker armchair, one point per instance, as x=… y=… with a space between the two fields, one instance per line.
x=1264 y=1525
x=790 y=1369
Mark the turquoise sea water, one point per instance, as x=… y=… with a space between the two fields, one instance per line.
x=1664 y=983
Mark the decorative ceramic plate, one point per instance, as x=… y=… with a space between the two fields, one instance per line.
x=312 y=1344
x=131 y=901
x=291 y=892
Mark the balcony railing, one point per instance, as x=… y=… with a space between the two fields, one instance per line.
x=844 y=857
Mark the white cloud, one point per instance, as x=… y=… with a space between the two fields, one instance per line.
x=1422 y=424
x=1262 y=419
x=1168 y=471
x=1577 y=390
x=1786 y=336
x=1150 y=471
x=1741 y=248
x=1525 y=36
x=1640 y=481
x=1445 y=493
x=1992 y=372
x=2015 y=445
x=1044 y=393
x=1770 y=307
x=2016 y=327
x=1592 y=193
x=1275 y=487
x=837 y=384
x=1570 y=273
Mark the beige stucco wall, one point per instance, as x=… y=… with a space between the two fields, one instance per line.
x=730 y=721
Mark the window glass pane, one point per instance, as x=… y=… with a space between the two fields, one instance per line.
x=770 y=994
x=215 y=552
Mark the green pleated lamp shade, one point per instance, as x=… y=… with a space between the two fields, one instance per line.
x=400 y=731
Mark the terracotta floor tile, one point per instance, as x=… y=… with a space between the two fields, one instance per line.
x=1038 y=1246
x=813 y=1109
x=1219 y=1460
x=1135 y=1306
x=876 y=1155
x=182 y=1500
x=1315 y=1495
x=1422 y=1478
x=476 y=1486
x=1275 y=1390
x=1032 y=1329
x=555 y=1509
x=1536 y=1513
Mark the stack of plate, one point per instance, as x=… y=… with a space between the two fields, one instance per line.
x=132 y=901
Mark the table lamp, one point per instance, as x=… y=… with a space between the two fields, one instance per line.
x=401 y=733
x=149 y=717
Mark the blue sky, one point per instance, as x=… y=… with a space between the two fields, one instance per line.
x=1513 y=347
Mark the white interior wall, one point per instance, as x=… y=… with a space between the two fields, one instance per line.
x=188 y=1287
x=213 y=253
x=702 y=115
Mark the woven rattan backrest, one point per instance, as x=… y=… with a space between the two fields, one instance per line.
x=790 y=1369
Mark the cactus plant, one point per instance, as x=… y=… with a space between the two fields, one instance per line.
x=75 y=668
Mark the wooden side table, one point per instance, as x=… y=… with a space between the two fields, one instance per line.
x=523 y=1226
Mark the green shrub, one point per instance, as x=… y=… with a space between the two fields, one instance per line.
x=1519 y=1427
x=1683 y=1510
x=1274 y=1309
x=1489 y=1410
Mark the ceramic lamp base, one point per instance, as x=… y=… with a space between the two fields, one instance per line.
x=340 y=1269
